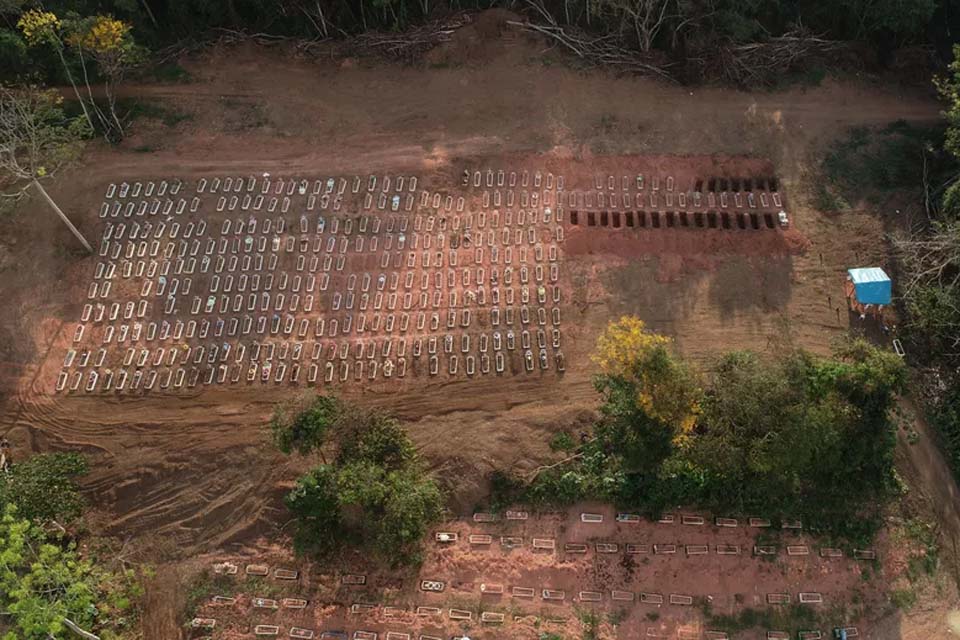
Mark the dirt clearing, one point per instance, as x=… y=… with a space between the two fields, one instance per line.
x=192 y=472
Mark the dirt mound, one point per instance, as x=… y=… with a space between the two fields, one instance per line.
x=474 y=43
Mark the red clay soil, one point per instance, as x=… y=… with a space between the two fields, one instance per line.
x=188 y=474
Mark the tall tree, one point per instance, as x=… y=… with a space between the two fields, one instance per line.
x=36 y=140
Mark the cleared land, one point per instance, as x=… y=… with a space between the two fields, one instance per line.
x=192 y=472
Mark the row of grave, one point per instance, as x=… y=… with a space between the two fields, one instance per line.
x=368 y=349
x=577 y=200
x=294 y=352
x=254 y=229
x=261 y=307
x=486 y=589
x=464 y=617
x=428 y=257
x=671 y=219
x=432 y=201
x=367 y=325
x=639 y=182
x=150 y=379
x=301 y=633
x=425 y=231
x=550 y=545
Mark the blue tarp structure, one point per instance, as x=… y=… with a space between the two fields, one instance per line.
x=871 y=285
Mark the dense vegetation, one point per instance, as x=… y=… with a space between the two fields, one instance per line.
x=373 y=494
x=695 y=35
x=47 y=585
x=793 y=436
x=930 y=285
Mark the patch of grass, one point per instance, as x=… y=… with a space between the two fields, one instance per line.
x=244 y=115
x=809 y=78
x=171 y=73
x=903 y=599
x=616 y=617
x=590 y=622
x=607 y=123
x=562 y=441
x=202 y=587
x=144 y=148
x=926 y=559
x=133 y=109
x=872 y=163
x=506 y=490
x=793 y=618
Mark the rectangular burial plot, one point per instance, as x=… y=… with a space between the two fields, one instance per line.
x=544 y=544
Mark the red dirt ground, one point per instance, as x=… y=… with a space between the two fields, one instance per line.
x=193 y=474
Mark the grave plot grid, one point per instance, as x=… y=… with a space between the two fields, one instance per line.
x=347 y=279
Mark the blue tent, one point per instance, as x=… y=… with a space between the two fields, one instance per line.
x=871 y=285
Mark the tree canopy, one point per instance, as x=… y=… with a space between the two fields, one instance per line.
x=45 y=581
x=787 y=436
x=374 y=494
x=43 y=487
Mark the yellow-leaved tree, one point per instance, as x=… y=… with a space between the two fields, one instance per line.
x=100 y=44
x=648 y=388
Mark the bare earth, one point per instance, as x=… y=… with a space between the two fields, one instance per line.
x=194 y=474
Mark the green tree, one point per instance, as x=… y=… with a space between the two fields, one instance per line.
x=374 y=494
x=43 y=487
x=47 y=589
x=302 y=425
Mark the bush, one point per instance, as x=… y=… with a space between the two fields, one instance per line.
x=44 y=488
x=792 y=436
x=44 y=579
x=375 y=494
x=302 y=424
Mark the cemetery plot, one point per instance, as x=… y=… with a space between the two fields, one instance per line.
x=516 y=591
x=349 y=280
x=239 y=281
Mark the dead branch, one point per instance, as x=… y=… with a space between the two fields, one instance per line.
x=597 y=51
x=409 y=45
x=536 y=472
x=763 y=63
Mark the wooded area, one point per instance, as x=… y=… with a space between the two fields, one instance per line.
x=741 y=42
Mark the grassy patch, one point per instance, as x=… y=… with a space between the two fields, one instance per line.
x=869 y=164
x=562 y=441
x=903 y=599
x=591 y=624
x=792 y=618
x=202 y=587
x=171 y=73
x=133 y=109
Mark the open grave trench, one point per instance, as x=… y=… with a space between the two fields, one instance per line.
x=348 y=279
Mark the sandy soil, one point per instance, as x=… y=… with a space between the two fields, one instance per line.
x=194 y=473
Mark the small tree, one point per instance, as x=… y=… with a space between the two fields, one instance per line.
x=108 y=42
x=639 y=373
x=375 y=492
x=43 y=487
x=47 y=588
x=36 y=140
x=303 y=424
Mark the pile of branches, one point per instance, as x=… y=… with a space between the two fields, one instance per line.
x=597 y=51
x=764 y=63
x=410 y=45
